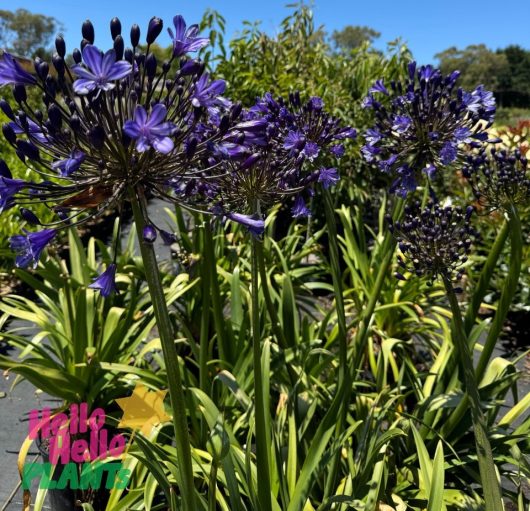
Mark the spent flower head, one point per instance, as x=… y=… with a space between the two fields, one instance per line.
x=424 y=124
x=434 y=241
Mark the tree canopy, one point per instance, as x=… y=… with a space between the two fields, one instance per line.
x=353 y=36
x=27 y=34
x=506 y=71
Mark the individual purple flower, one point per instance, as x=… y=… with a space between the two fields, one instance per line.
x=372 y=136
x=344 y=133
x=311 y=150
x=378 y=86
x=208 y=94
x=255 y=225
x=386 y=165
x=149 y=234
x=369 y=102
x=33 y=130
x=185 y=39
x=370 y=152
x=299 y=209
x=150 y=131
x=8 y=188
x=102 y=70
x=448 y=153
x=426 y=73
x=328 y=177
x=316 y=103
x=337 y=150
x=11 y=72
x=401 y=123
x=462 y=135
x=430 y=171
x=294 y=141
x=30 y=245
x=106 y=282
x=404 y=183
x=70 y=164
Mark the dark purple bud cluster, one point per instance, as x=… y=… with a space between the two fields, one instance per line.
x=434 y=241
x=424 y=125
x=498 y=178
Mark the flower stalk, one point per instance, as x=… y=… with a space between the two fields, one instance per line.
x=167 y=340
x=508 y=291
x=261 y=414
x=488 y=475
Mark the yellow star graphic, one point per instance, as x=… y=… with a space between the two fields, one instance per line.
x=143 y=409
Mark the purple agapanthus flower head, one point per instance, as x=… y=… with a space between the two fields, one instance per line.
x=150 y=130
x=425 y=123
x=29 y=246
x=101 y=72
x=185 y=39
x=70 y=164
x=106 y=282
x=276 y=153
x=12 y=73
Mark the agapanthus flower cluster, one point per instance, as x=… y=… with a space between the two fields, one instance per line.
x=114 y=125
x=498 y=179
x=434 y=241
x=278 y=156
x=424 y=124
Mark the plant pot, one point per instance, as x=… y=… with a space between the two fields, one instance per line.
x=59 y=500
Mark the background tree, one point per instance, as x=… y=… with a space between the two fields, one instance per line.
x=353 y=36
x=477 y=63
x=514 y=83
x=27 y=34
x=506 y=71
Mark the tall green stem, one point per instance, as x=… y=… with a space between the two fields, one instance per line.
x=167 y=340
x=343 y=376
x=479 y=292
x=508 y=291
x=485 y=278
x=261 y=415
x=225 y=347
x=488 y=475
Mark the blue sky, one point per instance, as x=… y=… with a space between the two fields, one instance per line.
x=428 y=26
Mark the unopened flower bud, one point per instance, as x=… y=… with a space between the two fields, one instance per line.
x=87 y=29
x=154 y=29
